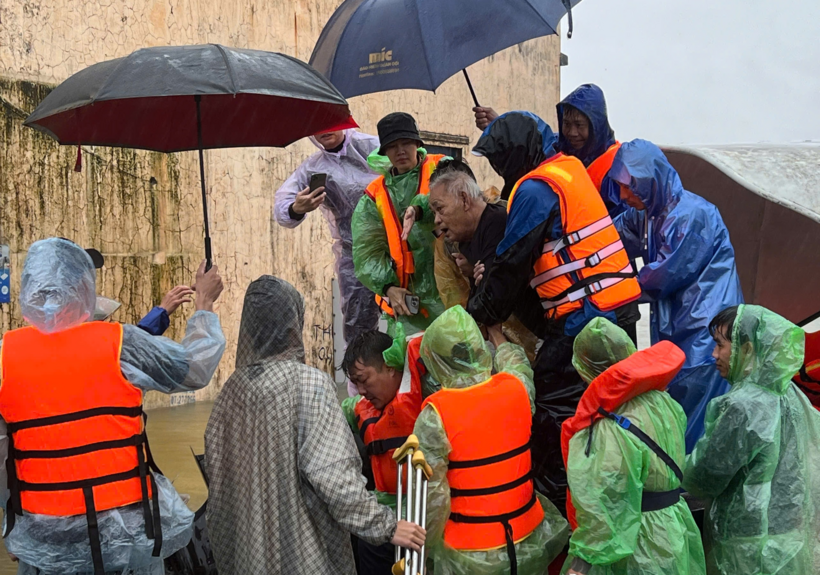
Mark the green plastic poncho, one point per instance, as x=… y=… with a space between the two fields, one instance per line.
x=455 y=354
x=759 y=458
x=371 y=253
x=613 y=534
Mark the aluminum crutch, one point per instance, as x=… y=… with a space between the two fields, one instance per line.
x=423 y=474
x=403 y=457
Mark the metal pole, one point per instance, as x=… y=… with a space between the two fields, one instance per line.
x=423 y=524
x=399 y=467
x=470 y=85
x=417 y=517
x=208 y=259
x=410 y=506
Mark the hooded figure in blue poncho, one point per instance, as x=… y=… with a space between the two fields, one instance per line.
x=689 y=272
x=585 y=133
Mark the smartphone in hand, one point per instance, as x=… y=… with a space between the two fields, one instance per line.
x=413 y=303
x=317 y=181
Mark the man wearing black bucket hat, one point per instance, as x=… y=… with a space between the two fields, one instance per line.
x=399 y=272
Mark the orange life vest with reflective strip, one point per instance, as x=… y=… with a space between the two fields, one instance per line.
x=383 y=432
x=589 y=260
x=598 y=169
x=394 y=223
x=808 y=378
x=493 y=502
x=77 y=438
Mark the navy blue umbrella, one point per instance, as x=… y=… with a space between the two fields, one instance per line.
x=371 y=46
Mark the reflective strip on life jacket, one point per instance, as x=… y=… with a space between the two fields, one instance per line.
x=77 y=442
x=589 y=289
x=588 y=260
x=571 y=239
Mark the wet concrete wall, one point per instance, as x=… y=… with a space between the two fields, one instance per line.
x=143 y=210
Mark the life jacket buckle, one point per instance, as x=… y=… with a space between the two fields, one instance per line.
x=593 y=260
x=621 y=421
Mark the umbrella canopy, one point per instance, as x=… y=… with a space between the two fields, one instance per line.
x=370 y=46
x=767 y=196
x=176 y=98
x=146 y=101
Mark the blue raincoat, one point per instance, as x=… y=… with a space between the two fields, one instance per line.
x=689 y=272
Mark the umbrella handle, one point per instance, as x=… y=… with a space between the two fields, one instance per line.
x=208 y=259
x=470 y=85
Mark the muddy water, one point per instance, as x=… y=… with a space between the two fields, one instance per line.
x=173 y=432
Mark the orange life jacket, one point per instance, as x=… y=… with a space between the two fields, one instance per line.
x=808 y=379
x=589 y=260
x=493 y=502
x=647 y=370
x=383 y=432
x=77 y=442
x=598 y=169
x=394 y=224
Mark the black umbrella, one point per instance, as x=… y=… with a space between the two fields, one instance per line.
x=178 y=98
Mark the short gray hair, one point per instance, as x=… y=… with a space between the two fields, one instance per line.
x=456 y=182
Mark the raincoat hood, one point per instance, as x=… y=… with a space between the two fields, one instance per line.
x=767 y=350
x=642 y=167
x=516 y=143
x=454 y=351
x=589 y=100
x=599 y=346
x=58 y=285
x=273 y=316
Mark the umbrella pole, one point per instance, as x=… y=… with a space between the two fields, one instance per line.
x=208 y=259
x=470 y=85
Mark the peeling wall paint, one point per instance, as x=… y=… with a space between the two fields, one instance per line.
x=142 y=210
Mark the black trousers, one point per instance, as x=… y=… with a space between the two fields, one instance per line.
x=558 y=388
x=376 y=559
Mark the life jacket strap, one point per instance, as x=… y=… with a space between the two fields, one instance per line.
x=500 y=518
x=576 y=265
x=467 y=463
x=587 y=287
x=382 y=446
x=655 y=501
x=626 y=424
x=75 y=416
x=491 y=490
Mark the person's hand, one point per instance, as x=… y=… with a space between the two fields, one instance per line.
x=176 y=297
x=409 y=535
x=463 y=265
x=495 y=335
x=13 y=557
x=208 y=286
x=409 y=220
x=396 y=297
x=307 y=201
x=483 y=116
x=478 y=272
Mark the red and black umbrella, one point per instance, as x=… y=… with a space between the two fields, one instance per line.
x=178 y=98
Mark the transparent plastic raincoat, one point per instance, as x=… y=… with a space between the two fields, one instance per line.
x=689 y=272
x=371 y=253
x=608 y=474
x=759 y=459
x=58 y=292
x=348 y=174
x=471 y=364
